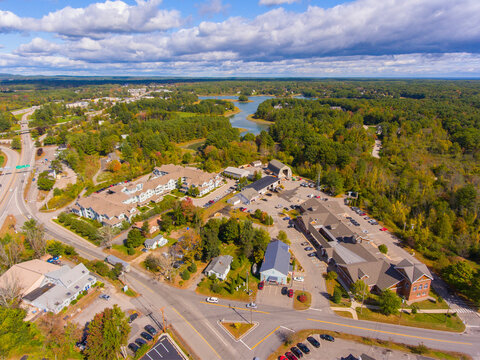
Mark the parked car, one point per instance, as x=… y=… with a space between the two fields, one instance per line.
x=286 y=218
x=312 y=254
x=367 y=217
x=327 y=337
x=132 y=317
x=133 y=347
x=305 y=243
x=383 y=229
x=140 y=342
x=313 y=341
x=362 y=214
x=251 y=305
x=308 y=248
x=284 y=290
x=297 y=352
x=105 y=297
x=261 y=284
x=290 y=356
x=146 y=336
x=304 y=348
x=281 y=357
x=290 y=293
x=298 y=278
x=212 y=300
x=80 y=345
x=151 y=330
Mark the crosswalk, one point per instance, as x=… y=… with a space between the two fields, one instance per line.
x=461 y=310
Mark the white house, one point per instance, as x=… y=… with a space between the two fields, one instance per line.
x=219 y=266
x=157 y=241
x=276 y=264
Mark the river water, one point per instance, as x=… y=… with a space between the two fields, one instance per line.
x=240 y=120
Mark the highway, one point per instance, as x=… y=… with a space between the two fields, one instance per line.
x=197 y=321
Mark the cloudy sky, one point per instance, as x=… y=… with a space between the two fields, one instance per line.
x=334 y=38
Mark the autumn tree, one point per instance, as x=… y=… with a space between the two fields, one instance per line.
x=107 y=333
x=106 y=234
x=35 y=235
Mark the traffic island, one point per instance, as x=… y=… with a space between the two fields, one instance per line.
x=302 y=300
x=238 y=329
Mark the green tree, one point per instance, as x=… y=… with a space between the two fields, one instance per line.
x=383 y=248
x=337 y=295
x=16 y=143
x=243 y=98
x=389 y=302
x=107 y=333
x=134 y=238
x=358 y=289
x=16 y=335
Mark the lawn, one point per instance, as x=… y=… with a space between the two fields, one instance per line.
x=237 y=329
x=297 y=304
x=122 y=252
x=3 y=159
x=302 y=335
x=222 y=291
x=346 y=314
x=216 y=207
x=426 y=321
x=430 y=304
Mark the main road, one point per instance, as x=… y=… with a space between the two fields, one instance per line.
x=197 y=321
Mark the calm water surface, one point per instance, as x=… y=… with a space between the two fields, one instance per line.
x=240 y=120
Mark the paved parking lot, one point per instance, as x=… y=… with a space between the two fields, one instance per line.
x=342 y=348
x=272 y=295
x=164 y=349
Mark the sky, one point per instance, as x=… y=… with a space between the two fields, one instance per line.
x=241 y=38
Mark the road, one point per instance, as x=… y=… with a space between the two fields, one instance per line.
x=196 y=321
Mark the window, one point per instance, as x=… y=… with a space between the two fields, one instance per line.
x=420 y=287
x=426 y=286
x=414 y=288
x=423 y=293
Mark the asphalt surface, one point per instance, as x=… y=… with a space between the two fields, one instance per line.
x=163 y=350
x=197 y=321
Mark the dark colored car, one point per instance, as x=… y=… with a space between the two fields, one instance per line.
x=313 y=341
x=308 y=248
x=304 y=348
x=290 y=293
x=140 y=342
x=290 y=356
x=327 y=337
x=146 y=336
x=133 y=347
x=151 y=330
x=297 y=352
x=284 y=290
x=261 y=284
x=132 y=317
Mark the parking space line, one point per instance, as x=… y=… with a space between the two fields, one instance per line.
x=210 y=346
x=265 y=337
x=234 y=307
x=164 y=347
x=391 y=333
x=155 y=349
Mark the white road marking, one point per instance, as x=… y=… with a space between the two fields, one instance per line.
x=283 y=327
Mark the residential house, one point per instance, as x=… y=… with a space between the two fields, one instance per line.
x=276 y=263
x=219 y=266
x=256 y=163
x=157 y=241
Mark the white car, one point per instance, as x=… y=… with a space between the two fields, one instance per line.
x=212 y=300
x=251 y=305
x=298 y=278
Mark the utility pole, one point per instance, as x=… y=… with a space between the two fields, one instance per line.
x=164 y=326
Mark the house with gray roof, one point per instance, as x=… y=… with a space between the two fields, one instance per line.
x=279 y=169
x=113 y=260
x=276 y=263
x=219 y=266
x=157 y=241
x=60 y=287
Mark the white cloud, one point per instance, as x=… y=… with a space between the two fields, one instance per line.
x=276 y=2
x=97 y=19
x=211 y=7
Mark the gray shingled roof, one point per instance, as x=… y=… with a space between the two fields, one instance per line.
x=413 y=271
x=276 y=257
x=219 y=264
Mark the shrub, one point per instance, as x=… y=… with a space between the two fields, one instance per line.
x=216 y=288
x=331 y=275
x=84 y=292
x=130 y=251
x=192 y=268
x=383 y=248
x=337 y=295
x=235 y=264
x=414 y=309
x=74 y=302
x=185 y=274
x=302 y=298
